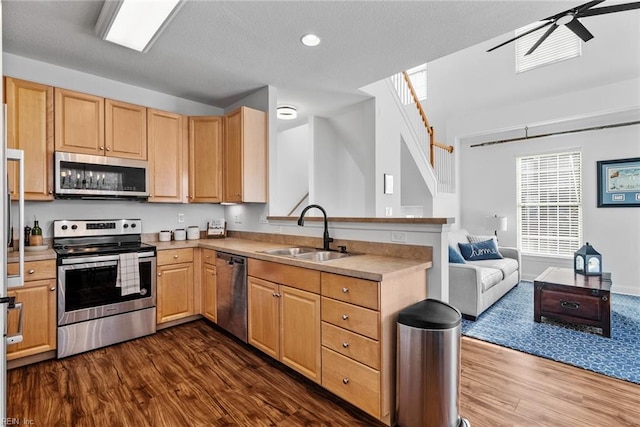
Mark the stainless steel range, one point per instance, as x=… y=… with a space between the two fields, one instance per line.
x=106 y=283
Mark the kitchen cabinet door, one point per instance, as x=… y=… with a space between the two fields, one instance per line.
x=38 y=300
x=174 y=292
x=209 y=289
x=300 y=341
x=30 y=128
x=168 y=158
x=79 y=122
x=205 y=159
x=264 y=316
x=245 y=156
x=125 y=131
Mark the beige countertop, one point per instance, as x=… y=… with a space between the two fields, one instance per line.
x=364 y=266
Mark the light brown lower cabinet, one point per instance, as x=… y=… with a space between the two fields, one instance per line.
x=175 y=285
x=38 y=298
x=209 y=282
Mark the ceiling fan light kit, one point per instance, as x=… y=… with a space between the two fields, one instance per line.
x=569 y=18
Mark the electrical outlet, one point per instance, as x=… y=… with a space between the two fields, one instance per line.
x=180 y=217
x=399 y=236
x=263 y=219
x=388 y=211
x=238 y=219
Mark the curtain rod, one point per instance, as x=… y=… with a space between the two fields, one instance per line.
x=526 y=137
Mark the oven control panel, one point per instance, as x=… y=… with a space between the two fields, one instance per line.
x=82 y=228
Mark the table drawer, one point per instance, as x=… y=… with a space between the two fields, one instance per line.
x=582 y=306
x=175 y=256
x=349 y=289
x=209 y=256
x=296 y=277
x=357 y=347
x=352 y=381
x=348 y=316
x=35 y=270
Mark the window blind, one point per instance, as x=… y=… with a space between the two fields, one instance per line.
x=549 y=201
x=560 y=45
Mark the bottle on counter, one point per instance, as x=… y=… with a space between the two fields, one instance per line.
x=36 y=234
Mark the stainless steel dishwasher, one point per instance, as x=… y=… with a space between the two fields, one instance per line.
x=231 y=272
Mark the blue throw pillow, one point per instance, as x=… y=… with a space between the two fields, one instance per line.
x=479 y=251
x=454 y=256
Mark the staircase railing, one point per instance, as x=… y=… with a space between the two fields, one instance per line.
x=440 y=155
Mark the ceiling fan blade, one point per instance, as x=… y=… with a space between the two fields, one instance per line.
x=521 y=35
x=543 y=38
x=610 y=9
x=579 y=30
x=574 y=10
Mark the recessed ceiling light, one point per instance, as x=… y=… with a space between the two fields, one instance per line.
x=310 y=40
x=286 y=112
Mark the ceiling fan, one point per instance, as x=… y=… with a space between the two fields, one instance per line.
x=569 y=18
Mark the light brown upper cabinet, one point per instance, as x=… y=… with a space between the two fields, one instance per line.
x=205 y=159
x=245 y=156
x=168 y=158
x=89 y=124
x=30 y=128
x=125 y=132
x=79 y=122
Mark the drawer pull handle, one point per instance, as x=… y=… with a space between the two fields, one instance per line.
x=570 y=305
x=345 y=344
x=345 y=381
x=175 y=256
x=345 y=316
x=32 y=271
x=345 y=290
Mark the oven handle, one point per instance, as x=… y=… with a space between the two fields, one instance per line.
x=105 y=258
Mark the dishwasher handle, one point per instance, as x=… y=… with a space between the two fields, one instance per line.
x=230 y=259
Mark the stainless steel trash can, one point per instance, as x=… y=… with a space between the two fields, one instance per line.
x=428 y=366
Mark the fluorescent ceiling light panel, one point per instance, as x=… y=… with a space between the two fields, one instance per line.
x=135 y=23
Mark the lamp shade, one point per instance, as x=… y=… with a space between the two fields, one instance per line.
x=498 y=223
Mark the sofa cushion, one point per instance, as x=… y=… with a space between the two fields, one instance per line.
x=477 y=238
x=479 y=251
x=506 y=265
x=455 y=256
x=489 y=277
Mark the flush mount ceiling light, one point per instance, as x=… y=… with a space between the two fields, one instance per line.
x=135 y=24
x=310 y=40
x=287 y=112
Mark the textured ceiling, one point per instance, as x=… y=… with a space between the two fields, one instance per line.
x=216 y=52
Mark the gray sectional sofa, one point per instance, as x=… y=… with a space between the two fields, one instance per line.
x=475 y=285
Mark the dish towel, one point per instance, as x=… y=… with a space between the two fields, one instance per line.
x=128 y=279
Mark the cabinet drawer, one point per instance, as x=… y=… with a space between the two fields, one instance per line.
x=296 y=277
x=175 y=256
x=352 y=345
x=352 y=381
x=209 y=256
x=582 y=306
x=35 y=270
x=348 y=316
x=352 y=290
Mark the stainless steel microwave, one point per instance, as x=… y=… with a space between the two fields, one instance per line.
x=100 y=177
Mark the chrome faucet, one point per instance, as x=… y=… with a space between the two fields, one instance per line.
x=325 y=238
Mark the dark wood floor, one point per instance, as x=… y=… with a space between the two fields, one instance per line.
x=194 y=375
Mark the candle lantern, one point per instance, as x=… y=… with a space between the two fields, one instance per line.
x=587 y=261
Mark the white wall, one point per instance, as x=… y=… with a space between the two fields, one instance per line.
x=487 y=179
x=293 y=150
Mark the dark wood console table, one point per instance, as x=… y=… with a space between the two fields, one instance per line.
x=561 y=294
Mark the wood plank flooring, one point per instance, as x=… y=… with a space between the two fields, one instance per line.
x=195 y=375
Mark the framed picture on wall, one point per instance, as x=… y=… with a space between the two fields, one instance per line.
x=619 y=183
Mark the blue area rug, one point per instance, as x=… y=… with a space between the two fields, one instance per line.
x=509 y=323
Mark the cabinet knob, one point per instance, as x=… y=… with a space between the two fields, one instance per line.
x=345 y=381
x=274 y=294
x=159 y=273
x=52 y=289
x=345 y=344
x=108 y=149
x=101 y=148
x=345 y=290
x=50 y=191
x=175 y=256
x=345 y=316
x=32 y=271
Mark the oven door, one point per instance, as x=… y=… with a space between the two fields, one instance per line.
x=87 y=288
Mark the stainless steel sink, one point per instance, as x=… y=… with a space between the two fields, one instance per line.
x=305 y=253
